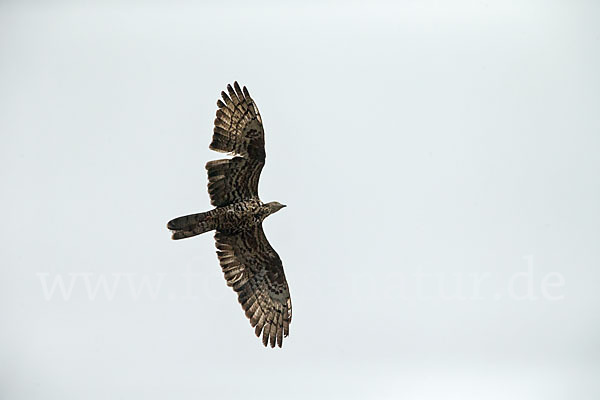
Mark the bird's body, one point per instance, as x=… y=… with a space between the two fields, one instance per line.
x=249 y=263
x=241 y=216
x=232 y=218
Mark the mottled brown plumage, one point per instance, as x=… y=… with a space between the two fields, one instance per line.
x=251 y=266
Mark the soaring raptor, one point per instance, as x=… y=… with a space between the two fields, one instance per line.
x=251 y=266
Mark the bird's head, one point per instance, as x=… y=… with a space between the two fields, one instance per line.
x=274 y=206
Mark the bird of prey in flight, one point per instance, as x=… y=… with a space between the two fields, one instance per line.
x=251 y=266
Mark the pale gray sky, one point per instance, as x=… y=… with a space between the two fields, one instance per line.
x=440 y=165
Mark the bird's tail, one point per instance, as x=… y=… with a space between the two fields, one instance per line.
x=191 y=225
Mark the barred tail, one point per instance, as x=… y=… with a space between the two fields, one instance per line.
x=191 y=225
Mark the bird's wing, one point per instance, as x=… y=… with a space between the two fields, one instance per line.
x=233 y=180
x=238 y=126
x=255 y=272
